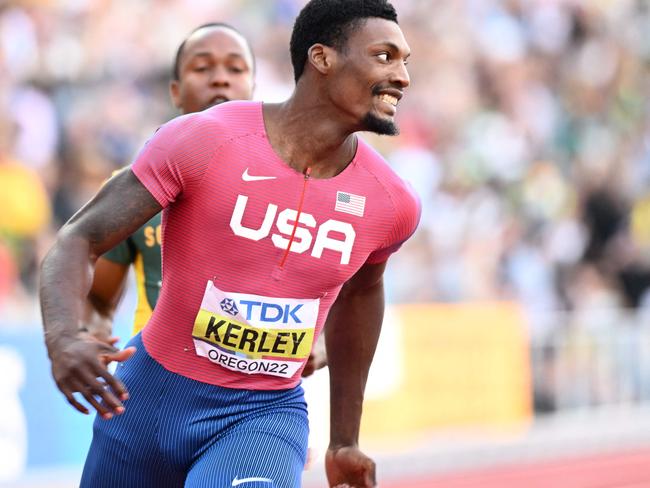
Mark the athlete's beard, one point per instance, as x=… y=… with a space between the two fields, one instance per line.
x=383 y=127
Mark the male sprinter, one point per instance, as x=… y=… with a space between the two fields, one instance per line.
x=277 y=219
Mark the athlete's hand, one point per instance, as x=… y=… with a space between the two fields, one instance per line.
x=348 y=467
x=317 y=357
x=79 y=365
x=102 y=335
x=317 y=360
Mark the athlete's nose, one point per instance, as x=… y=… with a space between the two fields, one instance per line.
x=220 y=76
x=401 y=75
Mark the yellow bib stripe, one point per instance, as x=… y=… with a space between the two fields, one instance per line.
x=254 y=342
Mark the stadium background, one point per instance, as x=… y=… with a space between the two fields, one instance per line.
x=516 y=350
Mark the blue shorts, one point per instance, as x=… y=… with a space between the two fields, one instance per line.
x=179 y=432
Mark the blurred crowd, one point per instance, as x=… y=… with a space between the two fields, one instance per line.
x=525 y=132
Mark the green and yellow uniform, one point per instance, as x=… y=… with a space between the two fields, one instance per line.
x=142 y=249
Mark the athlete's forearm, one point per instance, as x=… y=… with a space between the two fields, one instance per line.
x=78 y=360
x=353 y=329
x=65 y=281
x=120 y=207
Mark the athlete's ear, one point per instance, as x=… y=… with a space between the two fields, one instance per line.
x=321 y=57
x=175 y=93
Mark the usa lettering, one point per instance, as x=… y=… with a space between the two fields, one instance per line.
x=342 y=240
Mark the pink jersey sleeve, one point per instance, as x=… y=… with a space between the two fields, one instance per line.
x=175 y=159
x=407 y=216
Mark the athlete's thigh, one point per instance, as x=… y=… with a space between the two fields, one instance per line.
x=267 y=451
x=121 y=460
x=124 y=450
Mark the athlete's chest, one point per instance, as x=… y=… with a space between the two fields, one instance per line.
x=263 y=210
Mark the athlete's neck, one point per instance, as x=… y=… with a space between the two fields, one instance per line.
x=305 y=135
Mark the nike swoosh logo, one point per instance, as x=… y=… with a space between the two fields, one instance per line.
x=237 y=481
x=247 y=177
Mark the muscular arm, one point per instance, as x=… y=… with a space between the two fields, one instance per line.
x=120 y=207
x=353 y=328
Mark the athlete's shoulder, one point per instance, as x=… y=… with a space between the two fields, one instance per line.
x=188 y=131
x=399 y=196
x=238 y=117
x=223 y=120
x=398 y=189
x=235 y=109
x=217 y=124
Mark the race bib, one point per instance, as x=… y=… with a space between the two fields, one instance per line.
x=255 y=334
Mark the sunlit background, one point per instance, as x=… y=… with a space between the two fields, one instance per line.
x=516 y=347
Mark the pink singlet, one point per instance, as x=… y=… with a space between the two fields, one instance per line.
x=237 y=309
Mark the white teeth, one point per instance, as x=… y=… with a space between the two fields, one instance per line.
x=389 y=99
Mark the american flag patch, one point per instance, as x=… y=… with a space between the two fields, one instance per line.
x=349 y=203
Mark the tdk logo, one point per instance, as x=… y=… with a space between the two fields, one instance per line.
x=271 y=312
x=228 y=305
x=332 y=234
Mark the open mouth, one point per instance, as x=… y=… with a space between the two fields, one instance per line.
x=389 y=99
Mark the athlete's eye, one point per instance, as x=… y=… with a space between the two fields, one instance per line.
x=384 y=57
x=200 y=69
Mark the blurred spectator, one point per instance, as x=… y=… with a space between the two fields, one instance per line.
x=24 y=214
